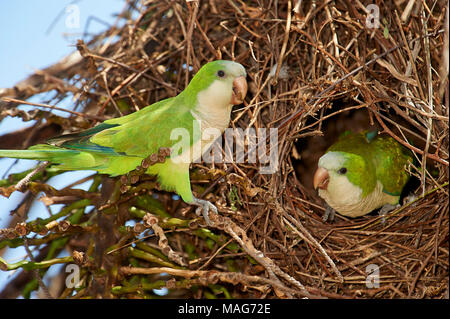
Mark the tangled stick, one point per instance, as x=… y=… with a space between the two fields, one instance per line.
x=151 y=221
x=246 y=243
x=209 y=277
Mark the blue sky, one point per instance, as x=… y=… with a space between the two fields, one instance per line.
x=27 y=43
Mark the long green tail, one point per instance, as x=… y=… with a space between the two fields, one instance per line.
x=37 y=154
x=68 y=159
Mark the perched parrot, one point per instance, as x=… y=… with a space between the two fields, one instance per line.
x=362 y=172
x=117 y=146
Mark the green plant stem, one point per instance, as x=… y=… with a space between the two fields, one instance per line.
x=30 y=265
x=151 y=258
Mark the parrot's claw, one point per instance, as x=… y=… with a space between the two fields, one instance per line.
x=329 y=214
x=203 y=208
x=386 y=209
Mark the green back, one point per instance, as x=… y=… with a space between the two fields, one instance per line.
x=391 y=160
x=143 y=133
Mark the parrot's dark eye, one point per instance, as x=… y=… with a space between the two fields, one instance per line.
x=220 y=73
x=342 y=171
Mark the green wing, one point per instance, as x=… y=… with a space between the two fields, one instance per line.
x=118 y=145
x=143 y=133
x=391 y=160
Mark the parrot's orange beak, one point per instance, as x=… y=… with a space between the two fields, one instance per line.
x=321 y=178
x=239 y=90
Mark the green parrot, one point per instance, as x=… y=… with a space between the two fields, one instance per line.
x=362 y=172
x=117 y=146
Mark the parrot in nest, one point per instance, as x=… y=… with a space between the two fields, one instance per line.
x=362 y=172
x=117 y=146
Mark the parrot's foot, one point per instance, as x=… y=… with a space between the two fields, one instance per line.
x=386 y=209
x=203 y=208
x=329 y=214
x=24 y=181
